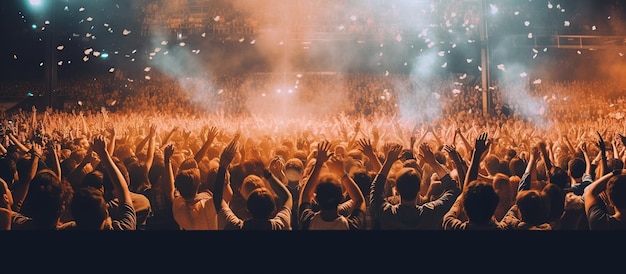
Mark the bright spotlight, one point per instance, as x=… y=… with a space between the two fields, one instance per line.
x=35 y=3
x=494 y=8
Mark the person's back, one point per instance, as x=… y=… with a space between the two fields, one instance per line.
x=479 y=201
x=530 y=212
x=598 y=215
x=409 y=214
x=193 y=210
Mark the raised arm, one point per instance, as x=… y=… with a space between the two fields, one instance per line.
x=530 y=174
x=591 y=195
x=366 y=147
x=151 y=147
x=19 y=144
x=280 y=189
x=167 y=180
x=213 y=132
x=20 y=190
x=120 y=186
x=460 y=165
x=112 y=136
x=306 y=194
x=52 y=158
x=480 y=147
x=167 y=138
x=603 y=167
x=545 y=155
x=227 y=156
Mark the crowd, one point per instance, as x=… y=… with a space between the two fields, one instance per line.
x=348 y=151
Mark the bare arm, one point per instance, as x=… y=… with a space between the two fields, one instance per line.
x=207 y=144
x=168 y=178
x=480 y=147
x=225 y=159
x=366 y=147
x=120 y=186
x=306 y=194
x=21 y=189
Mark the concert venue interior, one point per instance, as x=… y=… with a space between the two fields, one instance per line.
x=539 y=83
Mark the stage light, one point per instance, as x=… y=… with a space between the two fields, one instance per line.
x=35 y=3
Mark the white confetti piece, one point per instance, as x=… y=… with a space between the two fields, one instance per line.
x=147 y=69
x=60 y=63
x=566 y=23
x=111 y=70
x=126 y=32
x=60 y=47
x=252 y=42
x=15 y=56
x=527 y=23
x=147 y=77
x=96 y=53
x=216 y=18
x=182 y=44
x=523 y=74
x=85 y=59
x=81 y=9
x=89 y=19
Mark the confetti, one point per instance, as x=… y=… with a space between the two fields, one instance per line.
x=216 y=18
x=463 y=76
x=126 y=32
x=182 y=44
x=111 y=70
x=60 y=47
x=527 y=23
x=456 y=91
x=252 y=42
x=566 y=23
x=147 y=69
x=15 y=56
x=81 y=9
x=60 y=63
x=501 y=67
x=89 y=19
x=530 y=35
x=85 y=59
x=523 y=74
x=147 y=77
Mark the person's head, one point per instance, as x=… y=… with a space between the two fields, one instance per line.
x=615 y=163
x=533 y=206
x=8 y=170
x=492 y=164
x=94 y=179
x=187 y=181
x=283 y=151
x=559 y=176
x=504 y=168
x=108 y=185
x=556 y=199
x=250 y=183
x=616 y=191
x=510 y=154
x=261 y=203
x=502 y=186
x=6 y=197
x=408 y=183
x=89 y=209
x=188 y=163
x=45 y=199
x=294 y=169
x=576 y=168
x=480 y=201
x=138 y=175
x=328 y=192
x=517 y=167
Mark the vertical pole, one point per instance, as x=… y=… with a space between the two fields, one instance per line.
x=51 y=70
x=484 y=59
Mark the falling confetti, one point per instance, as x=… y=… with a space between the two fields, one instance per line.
x=566 y=23
x=501 y=67
x=85 y=59
x=60 y=47
x=252 y=42
x=523 y=74
x=111 y=70
x=126 y=32
x=147 y=77
x=147 y=69
x=15 y=56
x=182 y=44
x=216 y=18
x=89 y=19
x=81 y=9
x=60 y=63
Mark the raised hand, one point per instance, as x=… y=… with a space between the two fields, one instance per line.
x=168 y=151
x=450 y=149
x=365 y=146
x=427 y=153
x=481 y=145
x=323 y=154
x=534 y=152
x=212 y=134
x=153 y=129
x=228 y=154
x=99 y=146
x=622 y=138
x=601 y=143
x=394 y=152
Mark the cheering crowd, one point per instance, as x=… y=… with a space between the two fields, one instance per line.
x=550 y=157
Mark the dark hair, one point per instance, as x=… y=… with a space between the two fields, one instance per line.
x=93 y=179
x=615 y=163
x=187 y=182
x=408 y=183
x=138 y=175
x=556 y=199
x=616 y=190
x=88 y=208
x=328 y=192
x=108 y=185
x=533 y=206
x=261 y=204
x=480 y=201
x=576 y=167
x=44 y=201
x=8 y=168
x=559 y=176
x=492 y=164
x=517 y=167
